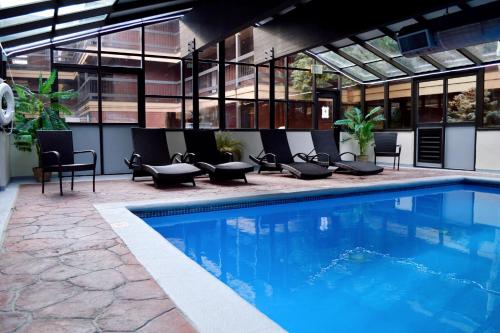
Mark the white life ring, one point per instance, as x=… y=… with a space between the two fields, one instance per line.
x=6 y=93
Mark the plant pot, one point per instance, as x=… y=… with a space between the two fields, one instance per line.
x=362 y=158
x=37 y=172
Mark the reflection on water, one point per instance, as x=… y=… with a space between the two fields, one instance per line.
x=407 y=261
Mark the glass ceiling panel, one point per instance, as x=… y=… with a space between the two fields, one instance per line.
x=25 y=34
x=386 y=45
x=14 y=3
x=450 y=59
x=335 y=59
x=360 y=53
x=415 y=64
x=84 y=6
x=32 y=17
x=486 y=52
x=80 y=22
x=386 y=69
x=360 y=73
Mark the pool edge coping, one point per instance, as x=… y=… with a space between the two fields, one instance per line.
x=206 y=303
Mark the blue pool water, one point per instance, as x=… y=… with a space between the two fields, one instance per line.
x=423 y=260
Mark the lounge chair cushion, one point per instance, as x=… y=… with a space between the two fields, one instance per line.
x=172 y=171
x=362 y=168
x=226 y=168
x=307 y=170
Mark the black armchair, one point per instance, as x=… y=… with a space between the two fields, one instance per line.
x=386 y=145
x=57 y=155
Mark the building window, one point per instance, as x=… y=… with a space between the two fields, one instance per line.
x=399 y=115
x=27 y=68
x=430 y=101
x=208 y=79
x=491 y=114
x=279 y=83
x=263 y=84
x=461 y=99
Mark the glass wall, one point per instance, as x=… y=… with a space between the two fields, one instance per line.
x=350 y=96
x=430 y=101
x=461 y=99
x=491 y=113
x=374 y=97
x=400 y=105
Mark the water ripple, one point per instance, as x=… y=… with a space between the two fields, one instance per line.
x=359 y=252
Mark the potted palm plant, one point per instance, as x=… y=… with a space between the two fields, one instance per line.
x=360 y=128
x=226 y=143
x=39 y=111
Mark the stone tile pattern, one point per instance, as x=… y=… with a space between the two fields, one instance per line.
x=62 y=268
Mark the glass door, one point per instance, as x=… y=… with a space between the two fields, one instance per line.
x=328 y=111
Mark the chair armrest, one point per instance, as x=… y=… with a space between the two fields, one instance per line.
x=302 y=156
x=399 y=148
x=52 y=152
x=94 y=155
x=266 y=157
x=189 y=158
x=177 y=157
x=134 y=162
x=229 y=155
x=348 y=152
x=319 y=161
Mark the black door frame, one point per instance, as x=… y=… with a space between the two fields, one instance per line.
x=334 y=94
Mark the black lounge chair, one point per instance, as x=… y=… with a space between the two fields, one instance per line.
x=277 y=156
x=202 y=150
x=58 y=155
x=386 y=145
x=327 y=154
x=151 y=157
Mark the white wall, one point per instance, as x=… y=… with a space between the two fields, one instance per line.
x=488 y=150
x=4 y=160
x=21 y=162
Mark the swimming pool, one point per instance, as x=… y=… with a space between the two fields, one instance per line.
x=412 y=260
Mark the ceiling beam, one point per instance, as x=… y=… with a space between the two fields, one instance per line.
x=313 y=25
x=382 y=55
x=356 y=62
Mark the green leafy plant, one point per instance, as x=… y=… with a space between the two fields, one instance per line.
x=39 y=111
x=226 y=143
x=361 y=128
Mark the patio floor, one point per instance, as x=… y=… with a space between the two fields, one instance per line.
x=62 y=268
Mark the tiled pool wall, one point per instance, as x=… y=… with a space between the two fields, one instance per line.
x=277 y=199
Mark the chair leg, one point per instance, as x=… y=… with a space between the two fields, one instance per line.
x=93 y=181
x=72 y=179
x=260 y=169
x=194 y=183
x=399 y=159
x=245 y=179
x=394 y=163
x=375 y=160
x=43 y=181
x=60 y=183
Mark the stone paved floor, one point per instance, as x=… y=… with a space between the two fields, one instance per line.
x=62 y=268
